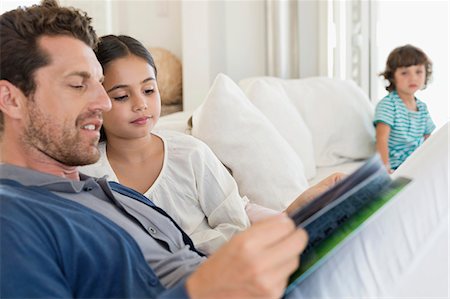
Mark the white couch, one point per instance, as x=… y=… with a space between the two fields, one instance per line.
x=279 y=136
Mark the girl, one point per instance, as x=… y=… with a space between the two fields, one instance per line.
x=176 y=171
x=402 y=121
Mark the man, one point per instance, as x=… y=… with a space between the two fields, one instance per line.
x=64 y=234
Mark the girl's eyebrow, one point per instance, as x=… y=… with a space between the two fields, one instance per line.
x=125 y=85
x=148 y=79
x=116 y=87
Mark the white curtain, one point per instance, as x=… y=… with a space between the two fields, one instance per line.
x=282 y=38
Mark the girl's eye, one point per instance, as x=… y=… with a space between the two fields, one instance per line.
x=75 y=86
x=120 y=98
x=149 y=91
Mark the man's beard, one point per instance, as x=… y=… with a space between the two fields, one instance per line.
x=60 y=142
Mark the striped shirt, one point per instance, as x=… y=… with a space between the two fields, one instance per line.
x=407 y=127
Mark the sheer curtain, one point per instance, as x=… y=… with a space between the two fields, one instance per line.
x=282 y=38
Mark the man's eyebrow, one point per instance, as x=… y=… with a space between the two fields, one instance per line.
x=125 y=85
x=82 y=74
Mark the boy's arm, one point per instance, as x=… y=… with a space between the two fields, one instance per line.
x=382 y=135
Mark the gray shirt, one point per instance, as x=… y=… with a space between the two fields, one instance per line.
x=160 y=241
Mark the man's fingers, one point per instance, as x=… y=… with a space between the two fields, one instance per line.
x=270 y=230
x=287 y=250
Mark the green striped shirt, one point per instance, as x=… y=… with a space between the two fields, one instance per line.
x=407 y=127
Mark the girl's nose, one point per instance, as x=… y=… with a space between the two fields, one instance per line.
x=140 y=106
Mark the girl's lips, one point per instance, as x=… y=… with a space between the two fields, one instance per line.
x=140 y=121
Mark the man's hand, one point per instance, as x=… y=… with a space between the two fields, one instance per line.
x=312 y=192
x=254 y=264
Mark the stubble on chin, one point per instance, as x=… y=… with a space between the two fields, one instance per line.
x=60 y=142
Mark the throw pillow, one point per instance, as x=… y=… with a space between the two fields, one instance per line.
x=271 y=99
x=265 y=167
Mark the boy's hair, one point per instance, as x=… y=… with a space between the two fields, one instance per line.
x=406 y=56
x=112 y=47
x=20 y=30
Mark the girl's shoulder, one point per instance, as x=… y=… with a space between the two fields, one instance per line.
x=185 y=151
x=182 y=143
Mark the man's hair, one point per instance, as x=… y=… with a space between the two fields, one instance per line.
x=20 y=30
x=406 y=56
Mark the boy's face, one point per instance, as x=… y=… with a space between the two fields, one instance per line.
x=63 y=116
x=409 y=79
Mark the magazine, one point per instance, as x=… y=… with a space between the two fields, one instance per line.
x=336 y=214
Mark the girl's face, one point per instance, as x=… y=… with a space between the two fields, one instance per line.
x=136 y=105
x=409 y=79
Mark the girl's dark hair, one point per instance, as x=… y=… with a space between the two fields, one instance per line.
x=406 y=56
x=112 y=47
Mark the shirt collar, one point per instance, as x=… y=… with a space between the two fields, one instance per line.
x=396 y=96
x=29 y=177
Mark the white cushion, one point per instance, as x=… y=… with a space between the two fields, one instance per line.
x=339 y=116
x=266 y=168
x=178 y=121
x=273 y=102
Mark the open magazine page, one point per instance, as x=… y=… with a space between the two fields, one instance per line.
x=342 y=210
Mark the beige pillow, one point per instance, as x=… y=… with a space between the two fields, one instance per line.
x=265 y=167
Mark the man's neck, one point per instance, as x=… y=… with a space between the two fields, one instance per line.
x=35 y=160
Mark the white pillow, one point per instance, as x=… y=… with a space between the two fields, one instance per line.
x=178 y=121
x=339 y=116
x=265 y=167
x=271 y=99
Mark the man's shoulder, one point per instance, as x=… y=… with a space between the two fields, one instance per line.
x=15 y=189
x=49 y=229
x=19 y=199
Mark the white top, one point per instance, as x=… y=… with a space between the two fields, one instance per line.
x=194 y=188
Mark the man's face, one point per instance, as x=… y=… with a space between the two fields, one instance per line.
x=64 y=114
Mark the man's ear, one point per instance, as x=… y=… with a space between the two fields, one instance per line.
x=11 y=100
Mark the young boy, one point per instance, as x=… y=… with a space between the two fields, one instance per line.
x=402 y=121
